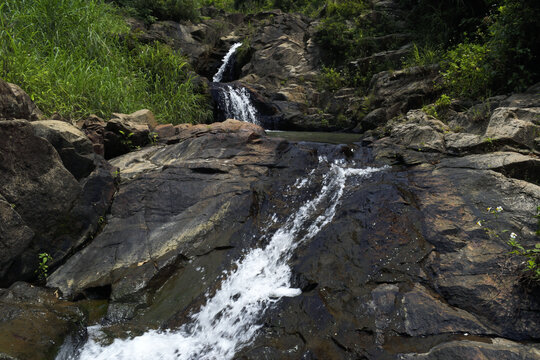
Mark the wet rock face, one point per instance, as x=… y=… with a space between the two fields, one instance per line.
x=34 y=323
x=404 y=270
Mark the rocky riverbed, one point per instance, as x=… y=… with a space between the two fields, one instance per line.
x=398 y=240
x=412 y=265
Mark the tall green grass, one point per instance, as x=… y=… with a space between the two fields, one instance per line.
x=70 y=56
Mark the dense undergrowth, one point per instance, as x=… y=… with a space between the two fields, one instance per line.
x=74 y=58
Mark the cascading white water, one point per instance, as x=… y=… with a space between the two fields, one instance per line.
x=229 y=320
x=234 y=101
x=238 y=105
x=219 y=75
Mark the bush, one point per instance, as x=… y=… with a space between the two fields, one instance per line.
x=423 y=56
x=330 y=79
x=466 y=70
x=69 y=57
x=503 y=58
x=175 y=10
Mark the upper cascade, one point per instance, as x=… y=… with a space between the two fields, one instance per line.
x=219 y=75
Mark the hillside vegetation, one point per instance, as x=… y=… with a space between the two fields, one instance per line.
x=75 y=57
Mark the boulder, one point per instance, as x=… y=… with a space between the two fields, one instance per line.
x=139 y=117
x=46 y=201
x=15 y=236
x=516 y=126
x=122 y=136
x=73 y=146
x=403 y=90
x=420 y=132
x=464 y=143
x=33 y=178
x=425 y=315
x=372 y=120
x=16 y=104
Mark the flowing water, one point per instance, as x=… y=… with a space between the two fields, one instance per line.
x=226 y=59
x=230 y=318
x=233 y=101
x=236 y=104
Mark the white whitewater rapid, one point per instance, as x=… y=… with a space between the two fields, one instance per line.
x=236 y=102
x=219 y=75
x=230 y=318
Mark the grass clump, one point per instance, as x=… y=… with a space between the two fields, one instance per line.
x=70 y=57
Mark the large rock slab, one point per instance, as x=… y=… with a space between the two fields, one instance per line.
x=497 y=349
x=170 y=203
x=520 y=126
x=425 y=315
x=74 y=148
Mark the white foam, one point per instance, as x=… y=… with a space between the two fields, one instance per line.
x=219 y=75
x=238 y=104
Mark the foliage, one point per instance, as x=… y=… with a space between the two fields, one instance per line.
x=330 y=79
x=503 y=58
x=69 y=56
x=532 y=257
x=423 y=56
x=466 y=70
x=441 y=105
x=445 y=22
x=150 y=10
x=43 y=266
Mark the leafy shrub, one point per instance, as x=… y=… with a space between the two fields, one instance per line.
x=503 y=58
x=531 y=255
x=330 y=79
x=423 y=56
x=466 y=71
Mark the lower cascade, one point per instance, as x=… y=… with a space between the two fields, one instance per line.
x=230 y=318
x=235 y=103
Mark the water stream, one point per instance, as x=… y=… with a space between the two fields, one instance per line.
x=233 y=101
x=229 y=319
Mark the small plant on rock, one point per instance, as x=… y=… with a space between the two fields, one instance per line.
x=43 y=266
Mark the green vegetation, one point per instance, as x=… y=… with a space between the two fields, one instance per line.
x=439 y=107
x=531 y=255
x=43 y=266
x=488 y=46
x=73 y=57
x=330 y=79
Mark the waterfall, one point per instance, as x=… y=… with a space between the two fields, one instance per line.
x=226 y=59
x=230 y=318
x=233 y=102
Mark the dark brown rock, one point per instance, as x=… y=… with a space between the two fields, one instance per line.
x=16 y=104
x=45 y=199
x=74 y=148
